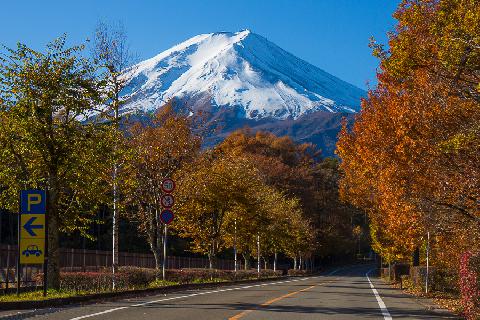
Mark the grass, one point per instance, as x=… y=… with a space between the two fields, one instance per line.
x=56 y=294
x=208 y=280
x=38 y=295
x=445 y=300
x=161 y=283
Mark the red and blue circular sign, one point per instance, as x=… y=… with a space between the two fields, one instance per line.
x=168 y=185
x=167 y=200
x=167 y=216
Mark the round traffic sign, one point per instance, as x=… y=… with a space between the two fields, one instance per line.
x=168 y=185
x=167 y=216
x=167 y=200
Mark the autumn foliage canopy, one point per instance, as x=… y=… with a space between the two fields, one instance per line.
x=412 y=158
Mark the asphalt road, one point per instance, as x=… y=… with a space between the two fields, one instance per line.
x=346 y=293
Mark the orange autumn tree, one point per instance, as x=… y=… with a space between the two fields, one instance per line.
x=298 y=170
x=156 y=150
x=412 y=157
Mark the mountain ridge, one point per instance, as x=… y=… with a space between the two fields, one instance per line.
x=241 y=76
x=239 y=69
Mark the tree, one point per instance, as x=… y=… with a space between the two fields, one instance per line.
x=298 y=171
x=411 y=159
x=157 y=151
x=265 y=217
x=43 y=141
x=285 y=229
x=111 y=51
x=211 y=192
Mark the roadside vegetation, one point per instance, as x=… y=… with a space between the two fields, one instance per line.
x=74 y=284
x=412 y=159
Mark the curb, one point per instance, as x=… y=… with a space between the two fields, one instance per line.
x=110 y=296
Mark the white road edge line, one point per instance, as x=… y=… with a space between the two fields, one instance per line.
x=381 y=304
x=195 y=294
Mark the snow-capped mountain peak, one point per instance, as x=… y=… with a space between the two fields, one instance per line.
x=241 y=71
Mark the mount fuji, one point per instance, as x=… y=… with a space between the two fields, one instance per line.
x=242 y=79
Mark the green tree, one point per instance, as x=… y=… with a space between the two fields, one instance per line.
x=210 y=193
x=112 y=52
x=44 y=143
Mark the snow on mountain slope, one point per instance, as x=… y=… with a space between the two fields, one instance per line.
x=241 y=71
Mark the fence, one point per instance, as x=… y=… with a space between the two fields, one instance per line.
x=93 y=260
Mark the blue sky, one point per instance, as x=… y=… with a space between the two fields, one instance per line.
x=331 y=34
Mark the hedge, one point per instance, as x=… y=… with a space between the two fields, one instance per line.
x=470 y=284
x=137 y=278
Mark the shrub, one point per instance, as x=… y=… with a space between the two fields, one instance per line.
x=298 y=273
x=136 y=278
x=470 y=285
x=100 y=281
x=82 y=281
x=445 y=281
x=201 y=275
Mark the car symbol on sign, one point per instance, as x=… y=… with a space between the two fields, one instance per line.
x=32 y=250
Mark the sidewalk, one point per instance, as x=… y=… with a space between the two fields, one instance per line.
x=403 y=305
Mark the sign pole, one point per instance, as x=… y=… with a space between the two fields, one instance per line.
x=18 y=254
x=45 y=259
x=164 y=252
x=166 y=216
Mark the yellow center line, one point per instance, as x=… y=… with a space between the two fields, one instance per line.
x=269 y=302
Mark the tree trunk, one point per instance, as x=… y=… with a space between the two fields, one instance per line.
x=275 y=262
x=295 y=263
x=416 y=257
x=246 y=259
x=158 y=260
x=155 y=240
x=210 y=260
x=53 y=264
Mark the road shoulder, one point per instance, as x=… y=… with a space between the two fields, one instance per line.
x=401 y=304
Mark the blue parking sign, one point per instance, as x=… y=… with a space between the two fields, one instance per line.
x=33 y=202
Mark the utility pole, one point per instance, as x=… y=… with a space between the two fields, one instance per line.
x=428 y=253
x=235 y=245
x=258 y=254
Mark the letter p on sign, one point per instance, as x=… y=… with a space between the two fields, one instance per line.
x=33 y=202
x=33 y=199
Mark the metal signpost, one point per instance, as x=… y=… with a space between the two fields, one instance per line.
x=166 y=216
x=32 y=232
